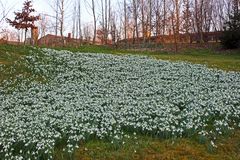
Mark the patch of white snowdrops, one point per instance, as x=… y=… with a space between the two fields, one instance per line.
x=109 y=97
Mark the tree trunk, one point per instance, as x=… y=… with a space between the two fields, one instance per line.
x=164 y=16
x=143 y=20
x=103 y=23
x=109 y=17
x=94 y=22
x=177 y=21
x=150 y=21
x=106 y=23
x=56 y=20
x=157 y=19
x=25 y=36
x=79 y=22
x=135 y=20
x=62 y=20
x=74 y=19
x=125 y=22
x=188 y=19
x=174 y=34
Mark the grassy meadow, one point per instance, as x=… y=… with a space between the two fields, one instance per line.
x=214 y=58
x=15 y=68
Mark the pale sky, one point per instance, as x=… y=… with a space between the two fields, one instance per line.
x=43 y=7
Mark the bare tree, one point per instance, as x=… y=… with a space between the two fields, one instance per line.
x=186 y=16
x=92 y=6
x=94 y=21
x=177 y=5
x=9 y=35
x=74 y=15
x=198 y=19
x=60 y=8
x=125 y=20
x=106 y=16
x=87 y=32
x=57 y=20
x=4 y=11
x=106 y=22
x=103 y=21
x=149 y=19
x=113 y=27
x=135 y=17
x=207 y=15
x=157 y=17
x=79 y=20
x=43 y=25
x=61 y=19
x=236 y=6
x=175 y=23
x=164 y=16
x=143 y=18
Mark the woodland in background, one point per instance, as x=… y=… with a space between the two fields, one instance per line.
x=147 y=18
x=138 y=20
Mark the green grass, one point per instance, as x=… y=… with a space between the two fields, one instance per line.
x=10 y=53
x=229 y=61
x=15 y=66
x=225 y=60
x=144 y=147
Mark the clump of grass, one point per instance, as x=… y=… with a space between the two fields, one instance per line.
x=14 y=67
x=145 y=147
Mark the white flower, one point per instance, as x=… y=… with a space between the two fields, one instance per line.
x=98 y=94
x=212 y=143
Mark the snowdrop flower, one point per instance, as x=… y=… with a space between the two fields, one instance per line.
x=212 y=143
x=108 y=96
